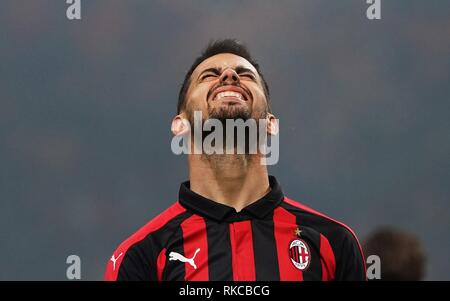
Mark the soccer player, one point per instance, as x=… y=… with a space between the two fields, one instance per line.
x=232 y=220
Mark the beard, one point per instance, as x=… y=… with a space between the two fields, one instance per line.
x=232 y=113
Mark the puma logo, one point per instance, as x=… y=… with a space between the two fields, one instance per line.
x=113 y=259
x=178 y=256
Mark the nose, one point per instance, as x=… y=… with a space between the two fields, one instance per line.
x=229 y=77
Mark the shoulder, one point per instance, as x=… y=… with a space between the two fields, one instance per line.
x=133 y=245
x=341 y=239
x=319 y=221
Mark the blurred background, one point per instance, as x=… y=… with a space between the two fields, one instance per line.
x=86 y=106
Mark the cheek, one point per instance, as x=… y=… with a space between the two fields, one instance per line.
x=197 y=97
x=259 y=100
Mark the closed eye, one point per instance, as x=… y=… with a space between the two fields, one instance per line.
x=247 y=75
x=245 y=72
x=208 y=75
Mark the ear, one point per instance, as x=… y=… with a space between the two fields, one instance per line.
x=272 y=125
x=180 y=125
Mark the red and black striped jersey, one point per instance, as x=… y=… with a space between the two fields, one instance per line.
x=274 y=238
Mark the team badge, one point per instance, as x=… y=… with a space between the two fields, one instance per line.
x=300 y=254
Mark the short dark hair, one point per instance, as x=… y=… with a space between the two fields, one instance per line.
x=216 y=47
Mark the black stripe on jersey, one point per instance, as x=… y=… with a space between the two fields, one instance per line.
x=219 y=251
x=265 y=250
x=139 y=262
x=312 y=238
x=174 y=242
x=174 y=268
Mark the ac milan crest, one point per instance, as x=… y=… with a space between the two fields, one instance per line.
x=300 y=254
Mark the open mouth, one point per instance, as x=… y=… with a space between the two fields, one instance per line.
x=229 y=94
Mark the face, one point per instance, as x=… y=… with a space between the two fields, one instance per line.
x=226 y=86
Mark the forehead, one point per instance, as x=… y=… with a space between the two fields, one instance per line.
x=224 y=61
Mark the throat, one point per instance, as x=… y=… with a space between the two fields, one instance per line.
x=232 y=180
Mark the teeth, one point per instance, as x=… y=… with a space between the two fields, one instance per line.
x=229 y=94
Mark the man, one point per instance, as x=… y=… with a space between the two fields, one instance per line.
x=232 y=220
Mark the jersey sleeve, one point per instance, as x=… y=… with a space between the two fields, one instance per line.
x=350 y=264
x=134 y=264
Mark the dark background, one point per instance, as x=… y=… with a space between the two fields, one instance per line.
x=86 y=106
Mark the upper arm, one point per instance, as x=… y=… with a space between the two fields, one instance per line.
x=350 y=264
x=135 y=264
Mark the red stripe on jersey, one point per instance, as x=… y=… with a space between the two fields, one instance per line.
x=195 y=247
x=242 y=256
x=113 y=266
x=306 y=208
x=285 y=224
x=161 y=264
x=328 y=260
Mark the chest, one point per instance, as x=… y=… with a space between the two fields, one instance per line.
x=243 y=251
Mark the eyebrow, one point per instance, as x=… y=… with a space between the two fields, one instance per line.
x=217 y=70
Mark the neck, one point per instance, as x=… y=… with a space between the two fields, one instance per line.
x=232 y=180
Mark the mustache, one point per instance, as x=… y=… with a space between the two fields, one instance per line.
x=211 y=91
